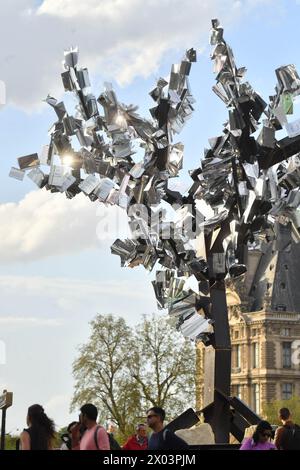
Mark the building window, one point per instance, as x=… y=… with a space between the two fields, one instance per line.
x=285 y=332
x=236 y=334
x=238 y=356
x=280 y=308
x=256 y=398
x=287 y=391
x=254 y=332
x=286 y=355
x=239 y=391
x=255 y=355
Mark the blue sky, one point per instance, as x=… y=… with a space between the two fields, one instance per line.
x=54 y=274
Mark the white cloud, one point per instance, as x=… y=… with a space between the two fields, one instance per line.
x=68 y=290
x=29 y=321
x=44 y=224
x=108 y=9
x=117 y=38
x=2 y=353
x=50 y=299
x=73 y=288
x=57 y=409
x=57 y=312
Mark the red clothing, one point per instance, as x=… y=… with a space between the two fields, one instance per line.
x=133 y=444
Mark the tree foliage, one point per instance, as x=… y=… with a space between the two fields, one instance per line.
x=270 y=410
x=101 y=371
x=163 y=366
x=124 y=371
x=10 y=442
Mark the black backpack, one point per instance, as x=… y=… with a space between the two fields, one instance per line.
x=113 y=444
x=291 y=438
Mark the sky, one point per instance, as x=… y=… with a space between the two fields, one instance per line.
x=56 y=272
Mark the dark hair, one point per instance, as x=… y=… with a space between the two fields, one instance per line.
x=66 y=440
x=42 y=428
x=90 y=411
x=284 y=413
x=260 y=428
x=158 y=411
x=71 y=425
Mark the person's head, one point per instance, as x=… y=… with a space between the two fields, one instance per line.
x=284 y=414
x=155 y=417
x=71 y=426
x=42 y=427
x=112 y=427
x=88 y=414
x=263 y=432
x=141 y=430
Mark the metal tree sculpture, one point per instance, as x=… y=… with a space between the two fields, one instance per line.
x=251 y=183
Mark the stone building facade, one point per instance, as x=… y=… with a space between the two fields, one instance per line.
x=265 y=357
x=264 y=317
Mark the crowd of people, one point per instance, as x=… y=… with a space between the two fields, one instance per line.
x=286 y=436
x=86 y=434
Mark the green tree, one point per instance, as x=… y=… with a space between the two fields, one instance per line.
x=125 y=371
x=163 y=366
x=270 y=410
x=101 y=372
x=10 y=442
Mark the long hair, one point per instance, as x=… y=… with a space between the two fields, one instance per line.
x=260 y=428
x=42 y=428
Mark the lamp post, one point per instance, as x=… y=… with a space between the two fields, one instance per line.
x=6 y=400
